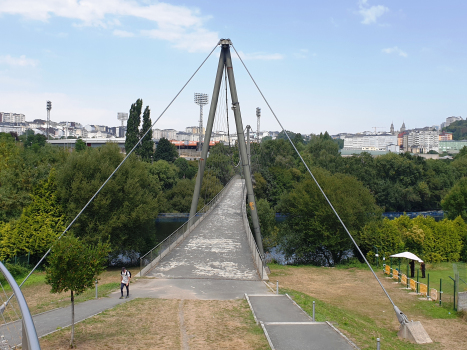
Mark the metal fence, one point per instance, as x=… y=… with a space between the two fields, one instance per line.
x=152 y=258
x=257 y=257
x=16 y=324
x=444 y=291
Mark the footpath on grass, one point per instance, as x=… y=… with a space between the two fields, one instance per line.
x=287 y=326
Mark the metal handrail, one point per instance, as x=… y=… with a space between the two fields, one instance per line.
x=29 y=330
x=258 y=258
x=186 y=227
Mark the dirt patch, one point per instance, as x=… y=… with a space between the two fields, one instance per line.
x=357 y=290
x=155 y=324
x=139 y=324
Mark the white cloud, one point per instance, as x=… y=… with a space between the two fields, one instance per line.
x=260 y=56
x=123 y=33
x=180 y=25
x=395 y=50
x=20 y=61
x=369 y=13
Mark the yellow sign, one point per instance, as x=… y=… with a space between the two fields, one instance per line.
x=404 y=279
x=433 y=294
x=387 y=270
x=252 y=206
x=423 y=289
x=413 y=284
x=395 y=274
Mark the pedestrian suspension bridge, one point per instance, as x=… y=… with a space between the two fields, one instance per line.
x=215 y=254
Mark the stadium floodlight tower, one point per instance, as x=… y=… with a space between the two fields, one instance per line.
x=201 y=100
x=49 y=107
x=122 y=117
x=258 y=117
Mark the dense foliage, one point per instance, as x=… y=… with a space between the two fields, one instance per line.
x=458 y=129
x=360 y=187
x=43 y=188
x=430 y=240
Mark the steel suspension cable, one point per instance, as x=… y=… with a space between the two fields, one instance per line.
x=398 y=312
x=118 y=167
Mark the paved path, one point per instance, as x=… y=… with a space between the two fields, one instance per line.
x=288 y=327
x=216 y=249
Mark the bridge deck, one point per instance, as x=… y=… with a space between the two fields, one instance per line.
x=216 y=249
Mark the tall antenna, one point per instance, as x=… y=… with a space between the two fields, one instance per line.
x=201 y=100
x=258 y=117
x=49 y=107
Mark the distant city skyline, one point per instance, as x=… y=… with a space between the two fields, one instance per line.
x=343 y=66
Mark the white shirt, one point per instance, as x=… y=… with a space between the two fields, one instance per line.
x=125 y=276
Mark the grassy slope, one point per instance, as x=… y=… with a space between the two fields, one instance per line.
x=350 y=305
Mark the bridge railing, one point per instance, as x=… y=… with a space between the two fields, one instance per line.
x=152 y=258
x=257 y=257
x=10 y=332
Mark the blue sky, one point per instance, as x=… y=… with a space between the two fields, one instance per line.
x=340 y=66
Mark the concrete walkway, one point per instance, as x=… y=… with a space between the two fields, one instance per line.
x=216 y=249
x=288 y=327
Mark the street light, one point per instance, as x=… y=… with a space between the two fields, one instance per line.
x=201 y=100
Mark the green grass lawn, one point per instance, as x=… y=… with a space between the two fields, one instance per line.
x=363 y=328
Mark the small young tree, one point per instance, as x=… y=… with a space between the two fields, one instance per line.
x=73 y=266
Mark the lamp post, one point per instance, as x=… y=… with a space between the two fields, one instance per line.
x=201 y=100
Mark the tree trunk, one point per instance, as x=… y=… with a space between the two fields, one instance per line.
x=72 y=320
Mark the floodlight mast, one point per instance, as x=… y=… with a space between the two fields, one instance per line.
x=201 y=100
x=258 y=117
x=49 y=107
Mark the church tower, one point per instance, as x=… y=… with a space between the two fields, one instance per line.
x=403 y=127
x=392 y=128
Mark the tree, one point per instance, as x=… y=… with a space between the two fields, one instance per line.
x=39 y=225
x=125 y=209
x=455 y=202
x=146 y=150
x=132 y=126
x=186 y=169
x=80 y=145
x=73 y=266
x=267 y=221
x=165 y=150
x=312 y=232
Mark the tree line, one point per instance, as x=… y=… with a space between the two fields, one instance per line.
x=361 y=188
x=43 y=188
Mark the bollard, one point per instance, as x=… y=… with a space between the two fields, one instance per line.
x=417 y=282
x=428 y=288
x=440 y=290
x=277 y=287
x=313 y=311
x=378 y=344
x=96 y=289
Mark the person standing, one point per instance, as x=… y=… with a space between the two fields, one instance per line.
x=125 y=277
x=422 y=267
x=412 y=268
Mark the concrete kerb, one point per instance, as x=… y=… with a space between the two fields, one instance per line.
x=343 y=336
x=251 y=308
x=154 y=263
x=293 y=301
x=271 y=345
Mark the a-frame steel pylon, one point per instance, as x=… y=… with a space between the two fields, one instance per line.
x=225 y=63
